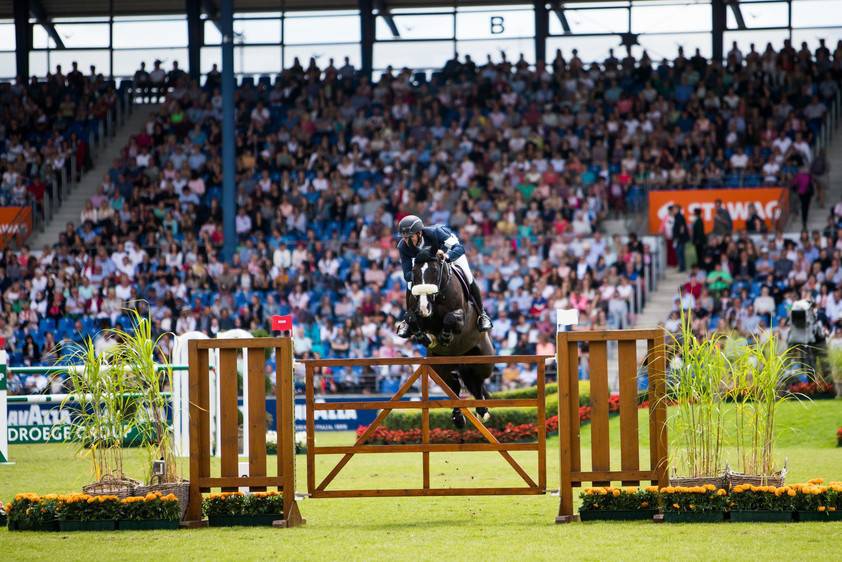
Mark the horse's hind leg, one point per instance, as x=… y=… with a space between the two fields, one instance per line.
x=447 y=375
x=474 y=378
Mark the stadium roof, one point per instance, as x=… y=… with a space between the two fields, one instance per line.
x=99 y=8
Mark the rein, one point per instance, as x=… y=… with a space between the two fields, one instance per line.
x=445 y=265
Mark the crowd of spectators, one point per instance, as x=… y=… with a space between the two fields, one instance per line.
x=523 y=162
x=44 y=124
x=747 y=282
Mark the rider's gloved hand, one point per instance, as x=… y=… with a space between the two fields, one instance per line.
x=441 y=255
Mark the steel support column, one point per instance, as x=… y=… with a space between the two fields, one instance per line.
x=229 y=164
x=194 y=38
x=20 y=8
x=542 y=29
x=367 y=36
x=718 y=24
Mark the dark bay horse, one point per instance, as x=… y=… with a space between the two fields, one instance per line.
x=440 y=306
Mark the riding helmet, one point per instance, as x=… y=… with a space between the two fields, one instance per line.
x=409 y=225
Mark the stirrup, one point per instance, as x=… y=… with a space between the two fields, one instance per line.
x=484 y=323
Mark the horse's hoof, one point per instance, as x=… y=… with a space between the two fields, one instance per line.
x=486 y=416
x=458 y=420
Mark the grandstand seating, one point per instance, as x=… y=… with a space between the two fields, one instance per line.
x=523 y=162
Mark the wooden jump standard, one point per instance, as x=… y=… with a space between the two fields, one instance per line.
x=571 y=473
x=425 y=374
x=229 y=480
x=601 y=473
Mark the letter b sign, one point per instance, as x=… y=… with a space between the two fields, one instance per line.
x=497 y=25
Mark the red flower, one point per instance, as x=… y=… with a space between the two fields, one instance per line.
x=810 y=388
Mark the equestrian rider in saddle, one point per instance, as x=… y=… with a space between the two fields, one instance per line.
x=441 y=241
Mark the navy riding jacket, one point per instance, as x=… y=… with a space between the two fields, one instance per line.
x=433 y=238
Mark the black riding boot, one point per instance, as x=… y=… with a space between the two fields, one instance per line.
x=403 y=328
x=483 y=321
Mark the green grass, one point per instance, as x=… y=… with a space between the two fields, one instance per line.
x=495 y=527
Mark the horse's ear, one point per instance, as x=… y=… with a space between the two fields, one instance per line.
x=423 y=256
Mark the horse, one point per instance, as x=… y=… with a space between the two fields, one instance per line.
x=438 y=304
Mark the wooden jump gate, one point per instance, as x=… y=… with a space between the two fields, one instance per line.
x=200 y=464
x=601 y=473
x=425 y=374
x=571 y=471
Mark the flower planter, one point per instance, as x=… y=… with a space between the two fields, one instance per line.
x=265 y=519
x=101 y=525
x=761 y=516
x=807 y=516
x=694 y=517
x=146 y=525
x=48 y=526
x=616 y=515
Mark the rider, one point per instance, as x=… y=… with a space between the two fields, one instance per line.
x=441 y=240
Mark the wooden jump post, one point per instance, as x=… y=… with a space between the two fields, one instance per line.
x=601 y=473
x=201 y=479
x=425 y=374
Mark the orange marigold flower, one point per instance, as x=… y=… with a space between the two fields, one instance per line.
x=821 y=508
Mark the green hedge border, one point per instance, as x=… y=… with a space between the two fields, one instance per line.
x=500 y=417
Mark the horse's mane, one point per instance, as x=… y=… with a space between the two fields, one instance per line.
x=424 y=256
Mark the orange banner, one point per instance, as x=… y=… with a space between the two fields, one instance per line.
x=771 y=203
x=15 y=223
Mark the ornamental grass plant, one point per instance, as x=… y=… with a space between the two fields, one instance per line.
x=726 y=394
x=101 y=407
x=757 y=385
x=139 y=356
x=697 y=423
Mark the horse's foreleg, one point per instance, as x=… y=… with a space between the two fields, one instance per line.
x=448 y=376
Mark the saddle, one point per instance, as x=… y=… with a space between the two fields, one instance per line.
x=465 y=288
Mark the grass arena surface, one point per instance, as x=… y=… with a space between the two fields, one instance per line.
x=486 y=528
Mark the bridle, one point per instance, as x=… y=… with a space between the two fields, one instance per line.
x=444 y=275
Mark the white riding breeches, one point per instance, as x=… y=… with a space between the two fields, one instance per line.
x=462 y=263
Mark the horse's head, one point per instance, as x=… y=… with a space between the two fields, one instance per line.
x=429 y=281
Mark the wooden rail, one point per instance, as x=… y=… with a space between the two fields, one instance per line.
x=423 y=375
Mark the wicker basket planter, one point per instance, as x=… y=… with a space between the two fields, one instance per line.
x=617 y=515
x=262 y=520
x=112 y=486
x=736 y=478
x=808 y=516
x=691 y=481
x=694 y=517
x=146 y=525
x=99 y=525
x=761 y=516
x=180 y=490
